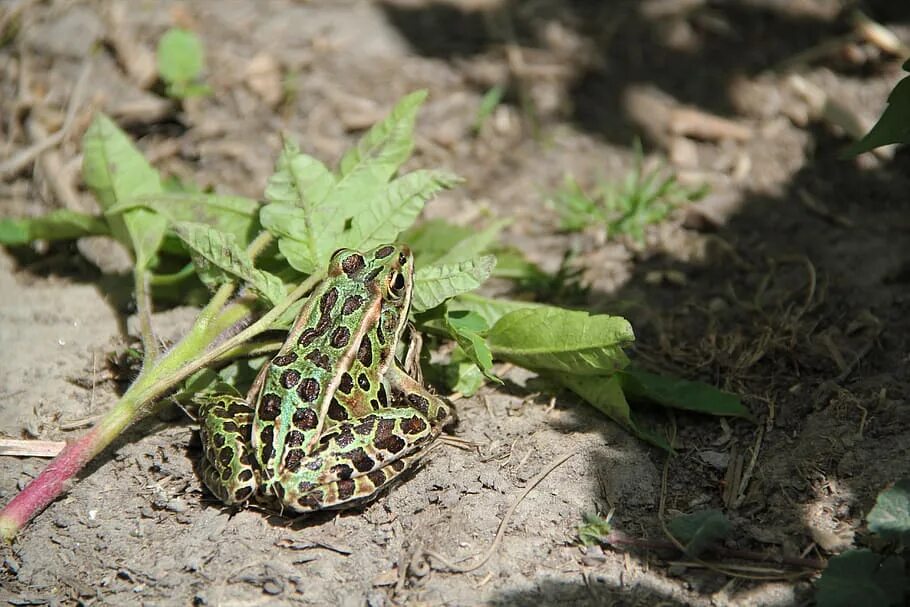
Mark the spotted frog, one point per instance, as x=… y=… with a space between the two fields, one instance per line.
x=332 y=418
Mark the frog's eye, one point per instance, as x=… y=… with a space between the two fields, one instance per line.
x=396 y=284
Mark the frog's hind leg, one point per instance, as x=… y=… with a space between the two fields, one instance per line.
x=227 y=468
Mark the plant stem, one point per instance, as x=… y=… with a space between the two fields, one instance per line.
x=192 y=353
x=144 y=312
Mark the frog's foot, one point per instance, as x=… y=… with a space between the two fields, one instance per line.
x=227 y=468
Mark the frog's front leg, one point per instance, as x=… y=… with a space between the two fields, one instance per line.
x=227 y=468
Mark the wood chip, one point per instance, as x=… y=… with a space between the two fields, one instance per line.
x=30 y=448
x=701 y=125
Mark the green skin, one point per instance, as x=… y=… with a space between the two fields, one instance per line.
x=335 y=418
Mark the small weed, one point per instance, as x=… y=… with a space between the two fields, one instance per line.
x=181 y=60
x=643 y=198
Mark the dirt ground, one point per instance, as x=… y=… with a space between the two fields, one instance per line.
x=789 y=285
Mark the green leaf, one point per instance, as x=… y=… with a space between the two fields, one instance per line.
x=384 y=147
x=491 y=99
x=491 y=310
x=218 y=259
x=432 y=239
x=115 y=171
x=366 y=168
x=397 y=208
x=434 y=284
x=862 y=577
x=594 y=529
x=61 y=224
x=890 y=517
x=467 y=329
x=180 y=57
x=894 y=124
x=699 y=530
x=307 y=227
x=680 y=393
x=567 y=341
x=467 y=377
x=605 y=394
x=229 y=214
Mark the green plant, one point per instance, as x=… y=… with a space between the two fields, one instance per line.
x=643 y=198
x=181 y=60
x=278 y=252
x=894 y=124
x=876 y=578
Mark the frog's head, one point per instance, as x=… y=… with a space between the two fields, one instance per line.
x=386 y=271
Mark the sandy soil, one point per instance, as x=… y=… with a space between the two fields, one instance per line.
x=789 y=285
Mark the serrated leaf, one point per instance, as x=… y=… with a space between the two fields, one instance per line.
x=435 y=284
x=894 y=124
x=180 y=56
x=699 y=530
x=115 y=171
x=605 y=394
x=387 y=144
x=61 y=224
x=862 y=577
x=397 y=208
x=567 y=341
x=680 y=393
x=235 y=215
x=366 y=168
x=491 y=310
x=306 y=225
x=218 y=259
x=890 y=517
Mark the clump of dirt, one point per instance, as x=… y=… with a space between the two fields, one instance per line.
x=788 y=285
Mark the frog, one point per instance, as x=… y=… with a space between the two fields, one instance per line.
x=333 y=417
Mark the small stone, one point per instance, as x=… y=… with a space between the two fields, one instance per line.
x=273 y=587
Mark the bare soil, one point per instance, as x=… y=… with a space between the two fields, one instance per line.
x=789 y=285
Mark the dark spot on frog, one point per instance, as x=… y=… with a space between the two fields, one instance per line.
x=319 y=359
x=307 y=337
x=328 y=301
x=352 y=264
x=384 y=252
x=361 y=461
x=294 y=439
x=245 y=475
x=293 y=459
x=284 y=360
x=346 y=384
x=345 y=489
x=364 y=382
x=290 y=378
x=341 y=471
x=351 y=304
x=413 y=425
x=419 y=403
x=225 y=455
x=308 y=390
x=305 y=419
x=266 y=437
x=336 y=411
x=340 y=337
x=377 y=477
x=269 y=406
